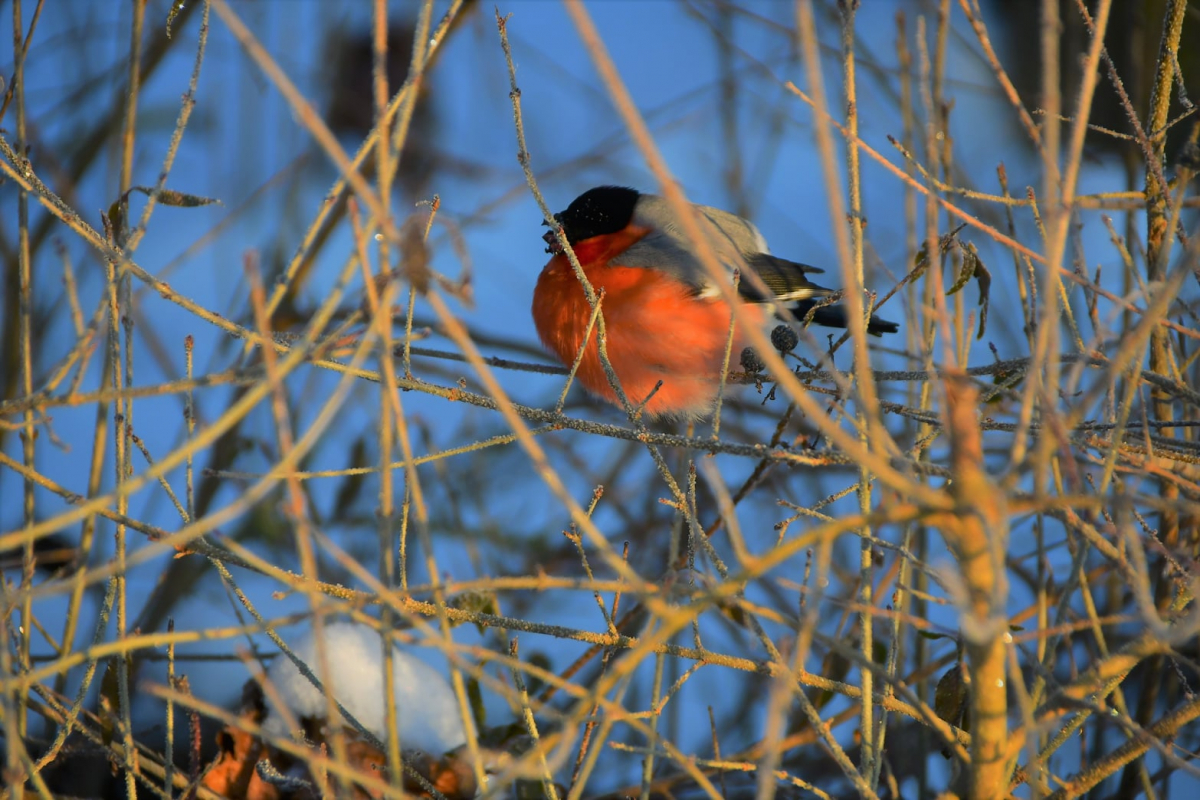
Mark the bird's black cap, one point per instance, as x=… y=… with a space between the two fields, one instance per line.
x=596 y=212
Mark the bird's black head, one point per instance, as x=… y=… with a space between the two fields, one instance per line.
x=605 y=209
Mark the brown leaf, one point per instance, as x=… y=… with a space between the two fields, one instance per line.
x=950 y=698
x=170 y=197
x=414 y=255
x=232 y=773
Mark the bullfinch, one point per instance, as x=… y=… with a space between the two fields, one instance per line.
x=666 y=319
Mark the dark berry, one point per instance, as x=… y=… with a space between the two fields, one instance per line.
x=784 y=338
x=751 y=362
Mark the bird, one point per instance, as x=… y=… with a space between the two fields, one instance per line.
x=665 y=319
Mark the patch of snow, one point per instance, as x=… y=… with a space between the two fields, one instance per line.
x=426 y=709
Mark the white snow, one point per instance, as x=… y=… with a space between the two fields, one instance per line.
x=426 y=709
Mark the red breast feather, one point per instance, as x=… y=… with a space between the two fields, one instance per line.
x=658 y=329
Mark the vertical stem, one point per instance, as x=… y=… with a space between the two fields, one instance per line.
x=870 y=761
x=1045 y=370
x=1160 y=104
x=977 y=535
x=86 y=540
x=8 y=709
x=15 y=716
x=382 y=321
x=131 y=98
x=169 y=749
x=189 y=413
x=119 y=296
x=1158 y=238
x=1158 y=247
x=919 y=395
x=652 y=740
x=121 y=440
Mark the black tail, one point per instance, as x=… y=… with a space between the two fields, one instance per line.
x=835 y=317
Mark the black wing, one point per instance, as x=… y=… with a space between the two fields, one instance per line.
x=787 y=283
x=784 y=279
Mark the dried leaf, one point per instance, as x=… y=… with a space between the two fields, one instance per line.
x=984 y=278
x=170 y=197
x=972 y=267
x=414 y=255
x=964 y=273
x=951 y=700
x=232 y=773
x=115 y=221
x=945 y=242
x=110 y=702
x=474 y=603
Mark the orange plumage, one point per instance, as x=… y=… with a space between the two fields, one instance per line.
x=658 y=329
